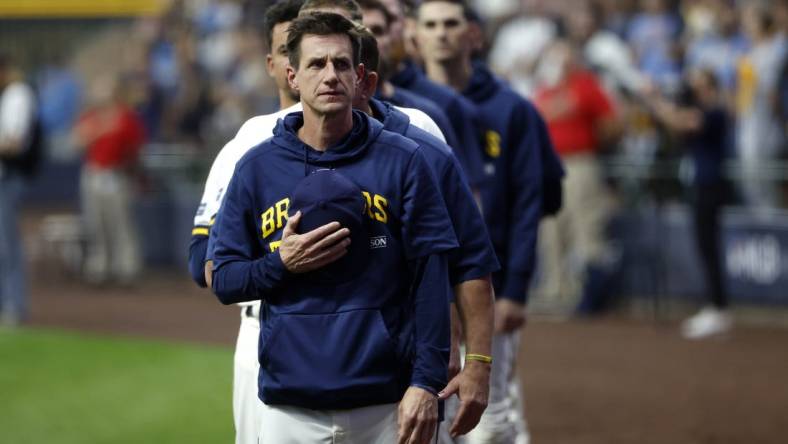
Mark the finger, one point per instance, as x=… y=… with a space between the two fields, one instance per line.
x=405 y=427
x=291 y=225
x=463 y=421
x=320 y=232
x=208 y=273
x=332 y=253
x=415 y=434
x=331 y=239
x=325 y=261
x=423 y=431
x=451 y=388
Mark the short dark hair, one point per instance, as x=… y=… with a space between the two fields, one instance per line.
x=320 y=23
x=370 y=56
x=376 y=5
x=281 y=12
x=349 y=5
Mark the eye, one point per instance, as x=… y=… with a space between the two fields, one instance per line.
x=342 y=65
x=429 y=24
x=377 y=31
x=452 y=23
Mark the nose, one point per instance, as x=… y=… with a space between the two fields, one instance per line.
x=330 y=77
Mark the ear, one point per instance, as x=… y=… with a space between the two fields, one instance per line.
x=291 y=78
x=360 y=73
x=371 y=84
x=269 y=64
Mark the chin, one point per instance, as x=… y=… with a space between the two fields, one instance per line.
x=332 y=108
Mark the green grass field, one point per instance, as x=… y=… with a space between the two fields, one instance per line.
x=58 y=387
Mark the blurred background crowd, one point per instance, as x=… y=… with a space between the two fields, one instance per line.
x=687 y=100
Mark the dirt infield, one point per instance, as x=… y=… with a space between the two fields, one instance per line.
x=604 y=381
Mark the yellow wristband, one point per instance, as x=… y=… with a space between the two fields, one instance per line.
x=481 y=358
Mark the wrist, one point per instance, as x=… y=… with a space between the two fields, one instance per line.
x=478 y=358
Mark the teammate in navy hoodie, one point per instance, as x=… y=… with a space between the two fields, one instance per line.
x=511 y=197
x=461 y=112
x=379 y=338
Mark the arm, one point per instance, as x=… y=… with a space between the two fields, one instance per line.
x=475 y=307
x=243 y=272
x=239 y=278
x=427 y=237
x=525 y=183
x=418 y=410
x=213 y=194
x=197 y=250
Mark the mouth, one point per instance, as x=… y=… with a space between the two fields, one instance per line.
x=331 y=93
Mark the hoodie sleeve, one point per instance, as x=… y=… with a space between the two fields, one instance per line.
x=431 y=309
x=198 y=248
x=428 y=235
x=426 y=226
x=242 y=272
x=475 y=257
x=525 y=176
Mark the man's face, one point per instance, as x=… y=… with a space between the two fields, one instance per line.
x=398 y=24
x=441 y=32
x=326 y=77
x=375 y=21
x=277 y=62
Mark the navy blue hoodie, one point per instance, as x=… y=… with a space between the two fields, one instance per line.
x=512 y=199
x=469 y=161
x=461 y=112
x=475 y=257
x=365 y=341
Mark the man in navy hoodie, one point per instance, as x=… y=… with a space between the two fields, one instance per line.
x=470 y=265
x=461 y=112
x=511 y=198
x=349 y=360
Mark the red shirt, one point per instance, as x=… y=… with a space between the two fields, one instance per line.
x=572 y=110
x=119 y=143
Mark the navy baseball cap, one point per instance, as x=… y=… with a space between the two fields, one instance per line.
x=327 y=196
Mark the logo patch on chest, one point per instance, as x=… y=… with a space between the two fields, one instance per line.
x=378 y=242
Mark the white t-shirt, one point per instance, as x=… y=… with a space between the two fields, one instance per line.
x=252 y=133
x=17 y=110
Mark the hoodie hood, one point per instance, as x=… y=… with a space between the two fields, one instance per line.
x=393 y=119
x=482 y=85
x=364 y=132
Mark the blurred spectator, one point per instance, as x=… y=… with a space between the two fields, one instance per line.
x=653 y=33
x=516 y=50
x=112 y=134
x=760 y=137
x=581 y=120
x=715 y=42
x=17 y=131
x=60 y=99
x=700 y=118
x=603 y=51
